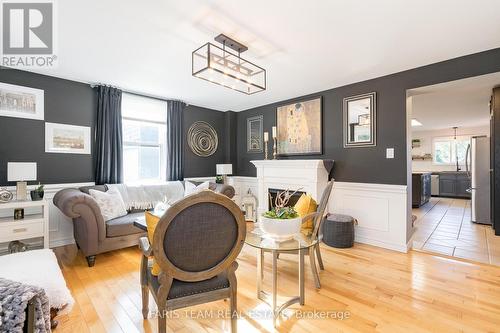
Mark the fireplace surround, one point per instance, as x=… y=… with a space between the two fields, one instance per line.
x=310 y=176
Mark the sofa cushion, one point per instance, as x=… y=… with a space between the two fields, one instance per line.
x=147 y=196
x=85 y=189
x=123 y=225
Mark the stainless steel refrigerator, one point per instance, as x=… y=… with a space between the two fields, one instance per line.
x=478 y=169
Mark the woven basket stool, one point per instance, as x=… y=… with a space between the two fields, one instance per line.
x=338 y=230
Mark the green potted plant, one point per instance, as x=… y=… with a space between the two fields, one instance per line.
x=37 y=193
x=281 y=222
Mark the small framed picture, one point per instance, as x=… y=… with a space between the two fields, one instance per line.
x=21 y=102
x=18 y=213
x=68 y=139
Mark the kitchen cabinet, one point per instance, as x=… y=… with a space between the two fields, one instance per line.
x=421 y=191
x=454 y=185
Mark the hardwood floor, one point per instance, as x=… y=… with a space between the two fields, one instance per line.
x=381 y=290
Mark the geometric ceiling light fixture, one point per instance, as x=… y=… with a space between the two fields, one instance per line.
x=226 y=68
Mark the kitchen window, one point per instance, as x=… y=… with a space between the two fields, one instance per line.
x=445 y=152
x=144 y=126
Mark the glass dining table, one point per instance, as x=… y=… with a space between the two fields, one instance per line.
x=299 y=244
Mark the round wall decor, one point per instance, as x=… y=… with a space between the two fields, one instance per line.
x=5 y=195
x=202 y=139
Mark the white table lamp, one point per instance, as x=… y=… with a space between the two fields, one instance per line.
x=21 y=172
x=224 y=170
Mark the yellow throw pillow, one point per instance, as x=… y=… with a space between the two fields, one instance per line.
x=151 y=222
x=306 y=205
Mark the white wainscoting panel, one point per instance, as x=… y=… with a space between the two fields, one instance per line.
x=241 y=186
x=380 y=210
x=60 y=226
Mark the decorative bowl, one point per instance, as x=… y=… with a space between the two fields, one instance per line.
x=280 y=229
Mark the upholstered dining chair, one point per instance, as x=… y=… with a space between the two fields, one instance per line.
x=195 y=243
x=314 y=251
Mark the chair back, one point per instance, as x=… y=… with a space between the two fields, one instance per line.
x=322 y=208
x=199 y=236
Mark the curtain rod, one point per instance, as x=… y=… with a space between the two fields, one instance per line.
x=93 y=85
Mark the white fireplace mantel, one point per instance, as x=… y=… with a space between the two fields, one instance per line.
x=307 y=175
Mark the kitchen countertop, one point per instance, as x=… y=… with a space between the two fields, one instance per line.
x=440 y=172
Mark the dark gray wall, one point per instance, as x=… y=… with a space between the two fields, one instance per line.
x=74 y=103
x=195 y=166
x=369 y=165
x=23 y=140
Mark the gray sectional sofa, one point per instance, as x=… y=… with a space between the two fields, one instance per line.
x=92 y=234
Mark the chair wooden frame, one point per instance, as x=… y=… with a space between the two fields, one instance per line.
x=169 y=271
x=314 y=251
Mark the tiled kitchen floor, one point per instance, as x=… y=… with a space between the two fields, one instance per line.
x=444 y=226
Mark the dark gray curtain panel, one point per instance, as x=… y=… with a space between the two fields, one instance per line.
x=109 y=146
x=175 y=140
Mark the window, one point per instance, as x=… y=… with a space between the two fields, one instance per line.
x=144 y=125
x=445 y=152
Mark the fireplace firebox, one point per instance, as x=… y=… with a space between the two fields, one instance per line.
x=273 y=192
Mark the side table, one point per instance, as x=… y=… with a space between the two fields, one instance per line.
x=32 y=225
x=300 y=243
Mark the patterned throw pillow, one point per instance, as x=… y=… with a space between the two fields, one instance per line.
x=110 y=203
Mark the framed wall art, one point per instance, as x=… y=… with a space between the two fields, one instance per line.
x=299 y=128
x=21 y=102
x=69 y=139
x=360 y=120
x=255 y=134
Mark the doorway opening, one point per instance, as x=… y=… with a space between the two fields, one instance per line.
x=449 y=169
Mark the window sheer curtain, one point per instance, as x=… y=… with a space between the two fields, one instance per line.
x=109 y=146
x=175 y=140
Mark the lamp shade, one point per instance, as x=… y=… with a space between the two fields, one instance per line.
x=224 y=169
x=21 y=171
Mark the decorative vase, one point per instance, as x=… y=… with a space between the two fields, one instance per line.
x=280 y=229
x=36 y=195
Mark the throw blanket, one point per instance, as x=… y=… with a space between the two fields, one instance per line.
x=147 y=196
x=14 y=298
x=39 y=268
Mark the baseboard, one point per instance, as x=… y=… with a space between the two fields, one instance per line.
x=390 y=246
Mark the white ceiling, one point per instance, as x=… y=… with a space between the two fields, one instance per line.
x=461 y=103
x=306 y=46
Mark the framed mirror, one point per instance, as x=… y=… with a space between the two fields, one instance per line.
x=360 y=120
x=254 y=134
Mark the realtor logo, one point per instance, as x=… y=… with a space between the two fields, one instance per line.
x=28 y=34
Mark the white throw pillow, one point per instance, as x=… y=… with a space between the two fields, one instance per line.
x=110 y=203
x=190 y=188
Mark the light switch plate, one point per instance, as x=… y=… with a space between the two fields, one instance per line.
x=389 y=153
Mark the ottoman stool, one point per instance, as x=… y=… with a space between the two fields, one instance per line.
x=338 y=230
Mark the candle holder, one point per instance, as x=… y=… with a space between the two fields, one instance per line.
x=265 y=150
x=274 y=148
